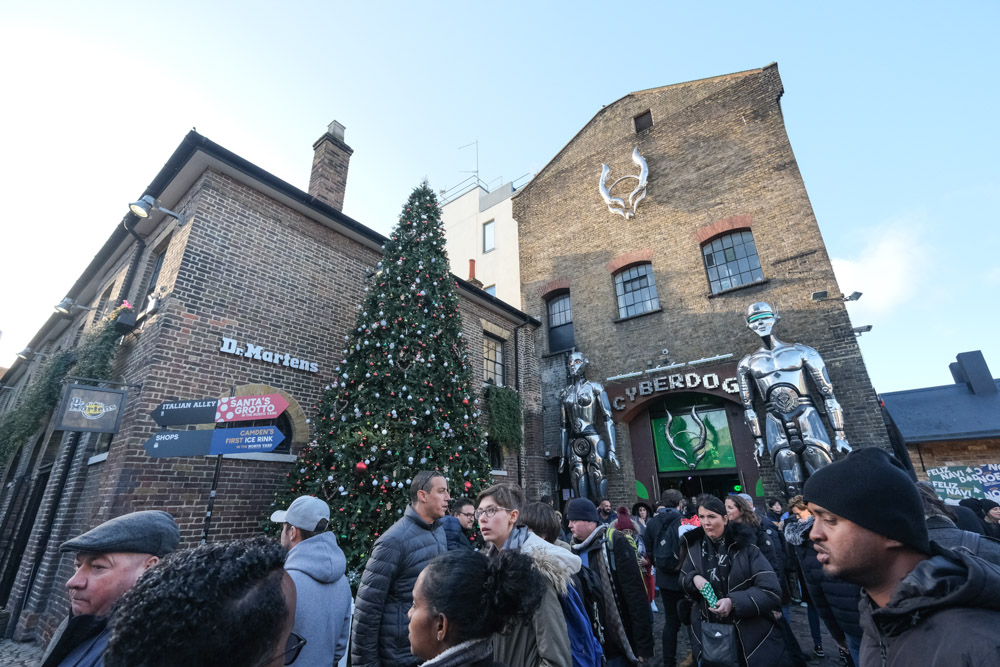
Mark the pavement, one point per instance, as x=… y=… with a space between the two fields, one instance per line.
x=17 y=654
x=800 y=627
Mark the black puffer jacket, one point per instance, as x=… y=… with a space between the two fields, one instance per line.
x=835 y=599
x=380 y=634
x=940 y=529
x=753 y=588
x=945 y=612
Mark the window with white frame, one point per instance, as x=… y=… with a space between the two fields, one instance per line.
x=489 y=242
x=493 y=361
x=560 y=311
x=635 y=289
x=731 y=261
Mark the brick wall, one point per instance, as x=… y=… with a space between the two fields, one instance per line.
x=953 y=453
x=718 y=156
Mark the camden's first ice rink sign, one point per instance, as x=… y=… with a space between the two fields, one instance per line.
x=236 y=440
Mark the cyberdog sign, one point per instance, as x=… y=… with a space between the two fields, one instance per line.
x=91 y=409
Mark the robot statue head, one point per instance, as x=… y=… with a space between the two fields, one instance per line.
x=761 y=318
x=577 y=364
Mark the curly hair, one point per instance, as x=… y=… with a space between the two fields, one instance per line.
x=218 y=604
x=481 y=596
x=747 y=515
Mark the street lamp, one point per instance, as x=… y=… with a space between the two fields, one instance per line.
x=147 y=204
x=68 y=307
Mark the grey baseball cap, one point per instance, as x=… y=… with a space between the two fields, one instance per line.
x=306 y=512
x=147 y=532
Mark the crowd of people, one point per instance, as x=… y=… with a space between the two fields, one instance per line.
x=897 y=576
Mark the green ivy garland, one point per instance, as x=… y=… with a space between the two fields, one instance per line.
x=92 y=358
x=503 y=407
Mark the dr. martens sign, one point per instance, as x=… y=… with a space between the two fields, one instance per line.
x=260 y=353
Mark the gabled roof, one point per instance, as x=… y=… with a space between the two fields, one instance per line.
x=646 y=91
x=951 y=412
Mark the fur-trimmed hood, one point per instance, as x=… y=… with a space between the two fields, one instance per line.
x=797 y=532
x=737 y=534
x=555 y=563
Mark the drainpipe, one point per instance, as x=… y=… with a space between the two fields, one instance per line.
x=133 y=267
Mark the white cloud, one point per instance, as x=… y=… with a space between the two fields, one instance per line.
x=890 y=268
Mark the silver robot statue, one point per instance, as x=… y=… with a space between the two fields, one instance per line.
x=793 y=429
x=588 y=434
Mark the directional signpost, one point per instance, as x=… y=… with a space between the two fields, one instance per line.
x=219 y=410
x=167 y=444
x=219 y=441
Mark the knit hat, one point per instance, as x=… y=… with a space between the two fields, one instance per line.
x=582 y=509
x=872 y=489
x=624 y=521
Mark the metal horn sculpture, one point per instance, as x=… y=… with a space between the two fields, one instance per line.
x=617 y=204
x=698 y=451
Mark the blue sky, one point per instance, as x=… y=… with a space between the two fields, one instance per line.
x=889 y=107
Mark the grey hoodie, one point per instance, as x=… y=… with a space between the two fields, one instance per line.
x=323 y=599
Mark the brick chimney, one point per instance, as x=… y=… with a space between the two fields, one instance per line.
x=331 y=156
x=472 y=275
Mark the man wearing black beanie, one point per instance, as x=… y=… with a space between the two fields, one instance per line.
x=921 y=604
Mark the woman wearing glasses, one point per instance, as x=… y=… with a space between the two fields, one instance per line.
x=541 y=639
x=462 y=598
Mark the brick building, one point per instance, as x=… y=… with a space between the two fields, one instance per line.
x=254 y=270
x=951 y=433
x=657 y=300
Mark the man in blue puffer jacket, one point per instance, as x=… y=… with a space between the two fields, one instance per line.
x=380 y=633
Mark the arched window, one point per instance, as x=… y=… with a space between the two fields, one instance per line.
x=731 y=261
x=560 y=312
x=635 y=288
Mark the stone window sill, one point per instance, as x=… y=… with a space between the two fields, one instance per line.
x=737 y=289
x=635 y=317
x=499 y=473
x=97 y=458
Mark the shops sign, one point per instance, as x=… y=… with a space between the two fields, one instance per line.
x=259 y=352
x=91 y=409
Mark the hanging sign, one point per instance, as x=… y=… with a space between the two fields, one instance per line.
x=954 y=483
x=242 y=440
x=219 y=410
x=91 y=409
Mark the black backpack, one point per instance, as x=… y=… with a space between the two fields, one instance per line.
x=667 y=544
x=588 y=585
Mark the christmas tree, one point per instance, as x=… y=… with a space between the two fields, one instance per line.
x=403 y=400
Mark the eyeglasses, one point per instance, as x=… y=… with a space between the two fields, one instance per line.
x=293 y=646
x=472 y=514
x=490 y=512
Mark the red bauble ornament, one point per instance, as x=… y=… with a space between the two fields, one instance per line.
x=468 y=485
x=361 y=466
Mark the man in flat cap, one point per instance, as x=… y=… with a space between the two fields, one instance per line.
x=109 y=560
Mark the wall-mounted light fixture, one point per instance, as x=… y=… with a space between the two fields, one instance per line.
x=147 y=204
x=823 y=295
x=26 y=354
x=69 y=307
